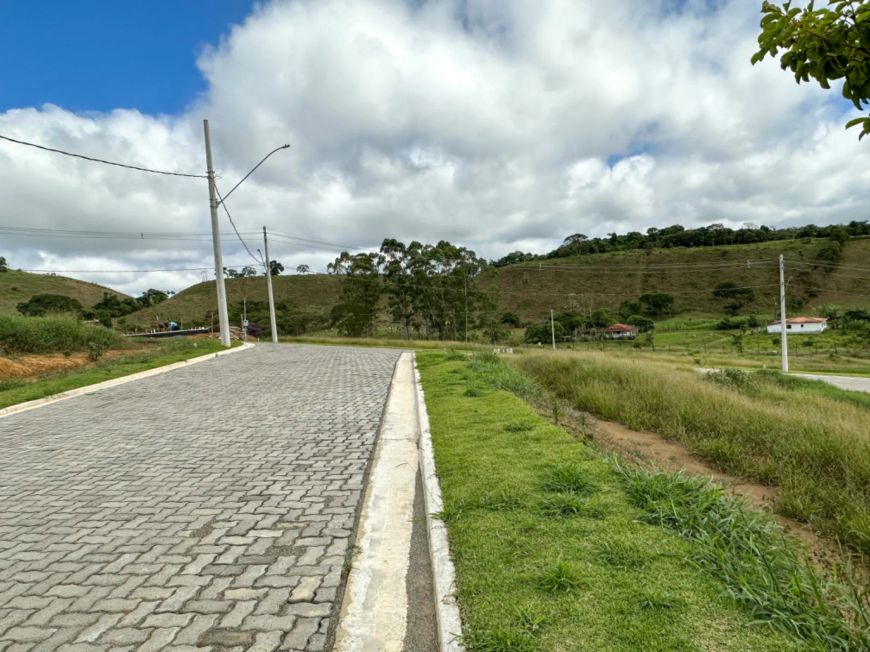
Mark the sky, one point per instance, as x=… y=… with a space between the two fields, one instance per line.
x=499 y=125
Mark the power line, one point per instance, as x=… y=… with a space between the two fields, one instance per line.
x=118 y=271
x=314 y=241
x=103 y=161
x=227 y=211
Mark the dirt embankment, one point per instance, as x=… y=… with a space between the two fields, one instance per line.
x=31 y=367
x=649 y=448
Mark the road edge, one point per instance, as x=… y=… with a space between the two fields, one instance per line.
x=448 y=621
x=96 y=387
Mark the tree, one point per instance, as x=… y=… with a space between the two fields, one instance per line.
x=248 y=271
x=229 y=272
x=656 y=303
x=275 y=267
x=824 y=44
x=152 y=297
x=302 y=269
x=736 y=297
x=354 y=313
x=4 y=267
x=44 y=304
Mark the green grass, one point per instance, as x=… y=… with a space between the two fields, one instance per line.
x=163 y=353
x=53 y=335
x=551 y=550
x=811 y=442
x=19 y=287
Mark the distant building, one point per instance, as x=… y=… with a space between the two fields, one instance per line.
x=620 y=332
x=798 y=325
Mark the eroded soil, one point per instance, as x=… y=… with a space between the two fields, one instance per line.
x=31 y=367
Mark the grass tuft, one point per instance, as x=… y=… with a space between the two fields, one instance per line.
x=561 y=577
x=622 y=554
x=760 y=567
x=571 y=479
x=562 y=506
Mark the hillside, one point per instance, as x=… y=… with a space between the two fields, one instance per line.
x=18 y=287
x=314 y=293
x=584 y=283
x=588 y=282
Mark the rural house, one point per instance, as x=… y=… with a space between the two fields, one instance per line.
x=797 y=325
x=620 y=332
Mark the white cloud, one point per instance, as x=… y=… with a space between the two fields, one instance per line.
x=497 y=125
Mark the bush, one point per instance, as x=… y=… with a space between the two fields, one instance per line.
x=51 y=335
x=40 y=305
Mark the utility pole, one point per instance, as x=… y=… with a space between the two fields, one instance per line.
x=782 y=327
x=272 y=321
x=216 y=242
x=244 y=319
x=553 y=329
x=465 y=296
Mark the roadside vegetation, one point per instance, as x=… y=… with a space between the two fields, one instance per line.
x=811 y=443
x=20 y=335
x=559 y=547
x=14 y=390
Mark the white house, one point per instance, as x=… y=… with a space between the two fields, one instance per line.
x=798 y=325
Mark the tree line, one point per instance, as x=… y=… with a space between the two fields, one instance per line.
x=714 y=235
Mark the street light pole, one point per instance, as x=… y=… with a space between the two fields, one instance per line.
x=272 y=321
x=216 y=243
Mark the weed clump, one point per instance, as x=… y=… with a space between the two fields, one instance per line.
x=568 y=506
x=621 y=554
x=562 y=577
x=569 y=480
x=760 y=567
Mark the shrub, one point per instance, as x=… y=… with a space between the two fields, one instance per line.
x=40 y=305
x=52 y=334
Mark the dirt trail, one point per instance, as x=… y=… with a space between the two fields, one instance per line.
x=651 y=448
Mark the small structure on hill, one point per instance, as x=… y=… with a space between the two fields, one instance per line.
x=620 y=332
x=799 y=325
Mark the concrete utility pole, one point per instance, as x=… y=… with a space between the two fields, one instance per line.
x=216 y=242
x=553 y=329
x=272 y=321
x=782 y=326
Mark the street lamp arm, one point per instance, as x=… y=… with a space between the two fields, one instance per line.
x=253 y=169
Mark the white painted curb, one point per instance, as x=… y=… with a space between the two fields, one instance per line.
x=448 y=622
x=90 y=389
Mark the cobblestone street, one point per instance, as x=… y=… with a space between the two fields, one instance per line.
x=211 y=507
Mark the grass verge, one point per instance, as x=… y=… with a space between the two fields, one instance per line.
x=555 y=550
x=163 y=353
x=810 y=443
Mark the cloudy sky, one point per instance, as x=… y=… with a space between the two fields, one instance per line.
x=497 y=124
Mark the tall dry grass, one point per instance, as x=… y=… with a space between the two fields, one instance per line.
x=814 y=448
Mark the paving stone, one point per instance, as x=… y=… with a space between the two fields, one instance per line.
x=209 y=505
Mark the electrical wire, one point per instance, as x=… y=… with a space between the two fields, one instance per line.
x=259 y=261
x=103 y=161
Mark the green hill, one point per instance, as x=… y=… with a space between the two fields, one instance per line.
x=584 y=283
x=314 y=293
x=588 y=282
x=19 y=287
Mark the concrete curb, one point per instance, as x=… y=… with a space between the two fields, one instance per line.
x=90 y=389
x=448 y=621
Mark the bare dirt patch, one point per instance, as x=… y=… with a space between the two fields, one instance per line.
x=31 y=367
